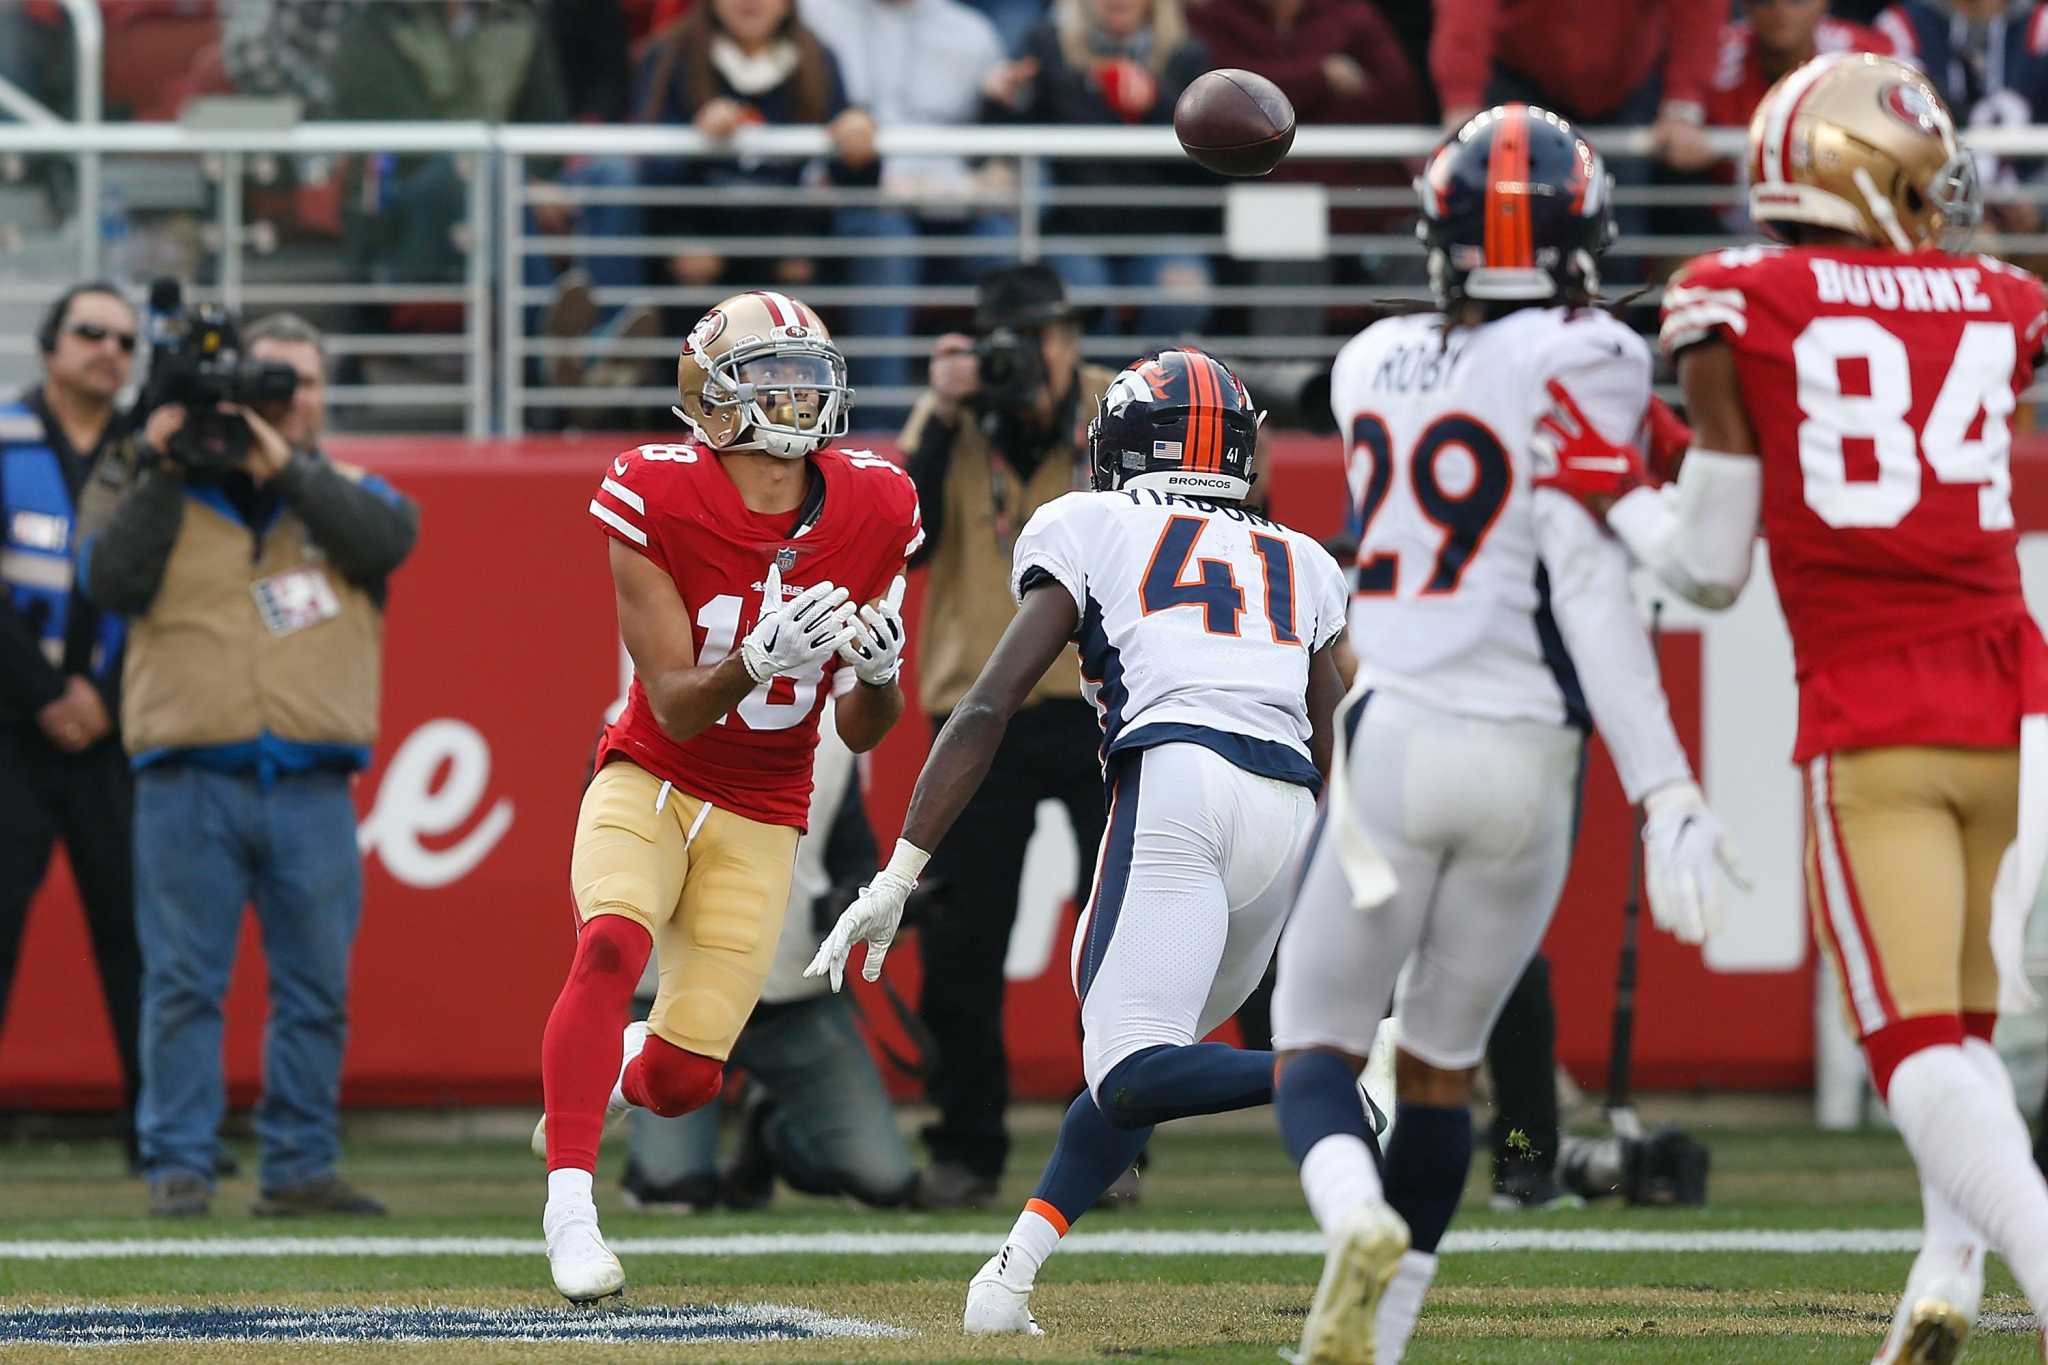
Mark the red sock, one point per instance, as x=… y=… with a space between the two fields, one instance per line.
x=580 y=1051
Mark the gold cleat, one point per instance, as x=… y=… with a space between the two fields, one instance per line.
x=1935 y=1333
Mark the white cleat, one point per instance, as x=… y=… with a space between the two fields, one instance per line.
x=1935 y=1316
x=583 y=1266
x=1365 y=1251
x=614 y=1114
x=997 y=1308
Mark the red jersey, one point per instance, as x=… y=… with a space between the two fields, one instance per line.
x=1739 y=83
x=676 y=505
x=1879 y=385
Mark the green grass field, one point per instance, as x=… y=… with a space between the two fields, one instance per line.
x=1670 y=1305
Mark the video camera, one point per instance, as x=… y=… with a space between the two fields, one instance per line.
x=196 y=362
x=1011 y=366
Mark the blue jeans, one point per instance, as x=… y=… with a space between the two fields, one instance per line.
x=902 y=271
x=206 y=845
x=1159 y=323
x=834 y=1130
x=594 y=220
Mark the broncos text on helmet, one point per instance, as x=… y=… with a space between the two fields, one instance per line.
x=1177 y=421
x=1516 y=209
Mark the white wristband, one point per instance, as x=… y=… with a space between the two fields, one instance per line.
x=907 y=861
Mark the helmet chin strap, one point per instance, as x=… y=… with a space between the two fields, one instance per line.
x=1881 y=209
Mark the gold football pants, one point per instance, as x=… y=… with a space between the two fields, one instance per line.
x=1902 y=846
x=709 y=886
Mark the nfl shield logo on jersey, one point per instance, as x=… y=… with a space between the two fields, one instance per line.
x=785 y=559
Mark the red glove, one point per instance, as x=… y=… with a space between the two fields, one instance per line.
x=1127 y=87
x=1670 y=438
x=1583 y=464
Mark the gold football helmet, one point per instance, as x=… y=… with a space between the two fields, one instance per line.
x=1862 y=144
x=760 y=372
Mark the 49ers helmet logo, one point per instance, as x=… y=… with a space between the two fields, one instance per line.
x=1911 y=105
x=709 y=328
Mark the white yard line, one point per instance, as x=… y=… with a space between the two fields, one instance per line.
x=1810 y=1242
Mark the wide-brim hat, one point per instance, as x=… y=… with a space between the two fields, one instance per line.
x=1021 y=296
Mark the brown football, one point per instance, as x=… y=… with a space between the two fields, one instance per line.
x=1234 y=122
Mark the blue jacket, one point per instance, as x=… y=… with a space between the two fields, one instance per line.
x=48 y=629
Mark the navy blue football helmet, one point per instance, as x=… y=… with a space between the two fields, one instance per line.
x=1516 y=210
x=1177 y=421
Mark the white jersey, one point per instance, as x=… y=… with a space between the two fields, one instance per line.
x=1197 y=621
x=1459 y=596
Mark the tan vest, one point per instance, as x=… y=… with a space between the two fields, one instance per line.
x=203 y=668
x=967 y=602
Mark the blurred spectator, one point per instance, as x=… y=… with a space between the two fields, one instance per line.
x=62 y=772
x=402 y=215
x=1593 y=61
x=1989 y=59
x=991 y=442
x=590 y=38
x=729 y=64
x=910 y=63
x=246 y=728
x=1014 y=19
x=1120 y=62
x=1337 y=61
x=1771 y=38
x=285 y=47
x=817 y=1115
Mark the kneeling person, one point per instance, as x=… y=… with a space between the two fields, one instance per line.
x=1206 y=635
x=688 y=832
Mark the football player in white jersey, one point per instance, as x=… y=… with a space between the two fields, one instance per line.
x=1207 y=635
x=1494 y=622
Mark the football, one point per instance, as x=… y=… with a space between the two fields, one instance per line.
x=1234 y=122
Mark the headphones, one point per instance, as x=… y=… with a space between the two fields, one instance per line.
x=53 y=321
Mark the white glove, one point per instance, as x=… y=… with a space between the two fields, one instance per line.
x=876 y=649
x=1684 y=862
x=872 y=918
x=793 y=635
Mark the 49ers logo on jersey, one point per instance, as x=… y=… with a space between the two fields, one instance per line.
x=709 y=328
x=1910 y=105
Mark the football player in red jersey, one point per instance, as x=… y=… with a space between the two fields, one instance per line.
x=740 y=560
x=1849 y=394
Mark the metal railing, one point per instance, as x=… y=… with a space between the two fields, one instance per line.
x=500 y=353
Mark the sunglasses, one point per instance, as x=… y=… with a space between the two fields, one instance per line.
x=92 y=331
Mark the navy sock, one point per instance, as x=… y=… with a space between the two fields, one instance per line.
x=1427 y=1161
x=1163 y=1082
x=1316 y=1096
x=1088 y=1157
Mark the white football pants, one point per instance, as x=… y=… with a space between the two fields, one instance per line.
x=1476 y=817
x=1193 y=881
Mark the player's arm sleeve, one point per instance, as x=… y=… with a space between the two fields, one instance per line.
x=1050 y=550
x=1697 y=535
x=1596 y=615
x=620 y=509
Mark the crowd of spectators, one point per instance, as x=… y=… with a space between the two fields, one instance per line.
x=856 y=66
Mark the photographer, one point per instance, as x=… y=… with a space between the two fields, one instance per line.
x=992 y=441
x=253 y=571
x=62 y=773
x=816 y=1112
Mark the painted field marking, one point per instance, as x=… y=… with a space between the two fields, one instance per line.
x=111 y=1325
x=1161 y=1242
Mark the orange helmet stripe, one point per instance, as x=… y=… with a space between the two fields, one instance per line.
x=1510 y=241
x=1205 y=420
